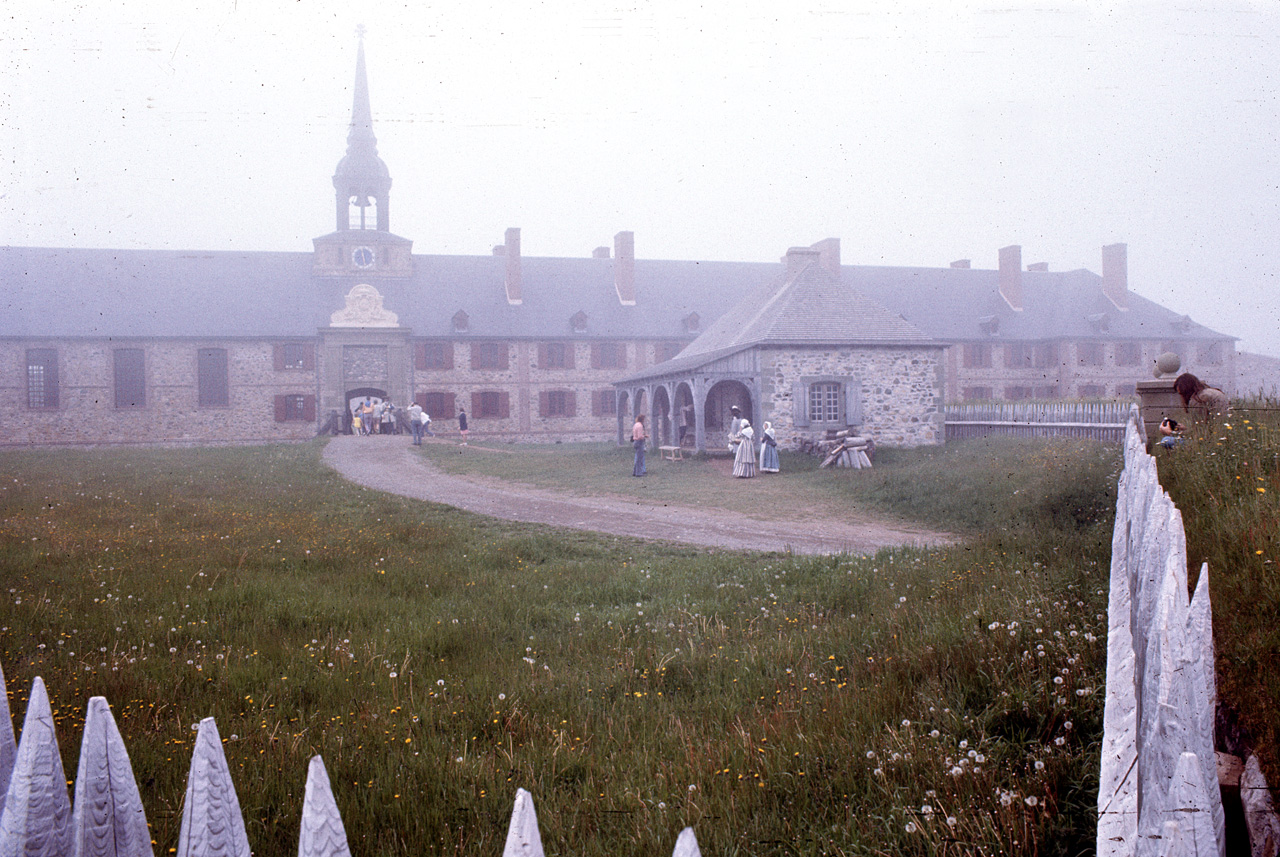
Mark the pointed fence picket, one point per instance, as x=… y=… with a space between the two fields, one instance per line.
x=1158 y=785
x=108 y=819
x=1103 y=421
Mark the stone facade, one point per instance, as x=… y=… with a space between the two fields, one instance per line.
x=894 y=395
x=80 y=393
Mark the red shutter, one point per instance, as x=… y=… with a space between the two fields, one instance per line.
x=542 y=355
x=449 y=410
x=504 y=405
x=280 y=409
x=570 y=404
x=568 y=355
x=309 y=359
x=309 y=408
x=421 y=401
x=277 y=353
x=420 y=357
x=447 y=349
x=475 y=405
x=597 y=403
x=595 y=356
x=544 y=403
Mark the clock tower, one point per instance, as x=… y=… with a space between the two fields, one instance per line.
x=363 y=245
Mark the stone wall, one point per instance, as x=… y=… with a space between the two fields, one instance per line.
x=901 y=391
x=86 y=412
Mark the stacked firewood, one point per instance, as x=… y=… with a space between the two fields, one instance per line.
x=842 y=449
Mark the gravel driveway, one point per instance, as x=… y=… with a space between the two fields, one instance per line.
x=389 y=464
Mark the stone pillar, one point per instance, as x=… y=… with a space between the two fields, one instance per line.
x=1158 y=400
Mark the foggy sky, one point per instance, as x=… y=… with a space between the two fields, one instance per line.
x=916 y=133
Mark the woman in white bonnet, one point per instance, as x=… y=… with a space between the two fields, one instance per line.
x=768 y=450
x=744 y=460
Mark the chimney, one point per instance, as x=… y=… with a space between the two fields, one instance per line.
x=829 y=255
x=600 y=253
x=624 y=267
x=798 y=257
x=1038 y=266
x=960 y=263
x=512 y=252
x=1011 y=276
x=1115 y=274
x=499 y=249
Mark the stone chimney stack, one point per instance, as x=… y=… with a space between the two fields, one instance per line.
x=798 y=257
x=829 y=255
x=624 y=267
x=1115 y=274
x=513 y=266
x=960 y=263
x=1011 y=276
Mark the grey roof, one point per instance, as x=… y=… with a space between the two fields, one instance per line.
x=49 y=292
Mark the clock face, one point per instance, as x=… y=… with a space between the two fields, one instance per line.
x=362 y=257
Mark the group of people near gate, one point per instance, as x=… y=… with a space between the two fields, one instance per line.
x=742 y=443
x=369 y=418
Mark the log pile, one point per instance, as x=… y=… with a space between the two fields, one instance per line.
x=842 y=449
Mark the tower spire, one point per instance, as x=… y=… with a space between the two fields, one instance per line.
x=362 y=180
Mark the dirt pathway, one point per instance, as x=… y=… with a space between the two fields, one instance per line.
x=389 y=464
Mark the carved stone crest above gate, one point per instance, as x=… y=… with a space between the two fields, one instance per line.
x=364 y=309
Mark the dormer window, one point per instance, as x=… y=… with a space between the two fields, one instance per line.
x=578 y=322
x=1101 y=322
x=692 y=322
x=461 y=322
x=989 y=324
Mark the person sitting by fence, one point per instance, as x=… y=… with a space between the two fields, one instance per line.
x=1170 y=433
x=1199 y=399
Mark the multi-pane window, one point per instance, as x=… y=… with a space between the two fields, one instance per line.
x=977 y=355
x=438 y=405
x=1092 y=391
x=664 y=351
x=211 y=377
x=489 y=355
x=294 y=355
x=42 y=378
x=555 y=356
x=130 y=378
x=435 y=355
x=824 y=402
x=490 y=405
x=295 y=408
x=1128 y=353
x=606 y=403
x=1045 y=355
x=1014 y=394
x=977 y=394
x=609 y=355
x=557 y=403
x=1017 y=355
x=1089 y=353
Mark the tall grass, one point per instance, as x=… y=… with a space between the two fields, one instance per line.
x=914 y=702
x=1226 y=482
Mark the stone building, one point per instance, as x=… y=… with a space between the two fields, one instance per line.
x=806 y=353
x=122 y=346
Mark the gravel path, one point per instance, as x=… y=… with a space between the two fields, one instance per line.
x=389 y=464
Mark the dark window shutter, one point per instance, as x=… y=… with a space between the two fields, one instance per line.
x=597 y=403
x=280 y=409
x=421 y=401
x=475 y=405
x=853 y=403
x=309 y=359
x=449 y=410
x=309 y=408
x=504 y=405
x=570 y=404
x=447 y=349
x=544 y=403
x=568 y=355
x=278 y=357
x=542 y=355
x=595 y=356
x=800 y=395
x=420 y=357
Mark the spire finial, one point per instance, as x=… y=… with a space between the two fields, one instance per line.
x=360 y=31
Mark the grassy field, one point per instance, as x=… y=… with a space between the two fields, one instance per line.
x=1226 y=483
x=910 y=702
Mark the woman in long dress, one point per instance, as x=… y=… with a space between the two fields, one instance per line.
x=768 y=450
x=744 y=460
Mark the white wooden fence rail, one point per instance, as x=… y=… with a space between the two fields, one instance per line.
x=1158 y=792
x=107 y=818
x=1104 y=421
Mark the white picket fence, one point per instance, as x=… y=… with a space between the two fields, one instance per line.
x=1096 y=420
x=107 y=818
x=1158 y=792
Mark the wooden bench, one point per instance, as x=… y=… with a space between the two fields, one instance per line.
x=671 y=453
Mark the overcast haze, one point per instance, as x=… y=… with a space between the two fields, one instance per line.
x=917 y=134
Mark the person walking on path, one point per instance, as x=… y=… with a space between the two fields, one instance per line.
x=462 y=424
x=637 y=441
x=415 y=423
